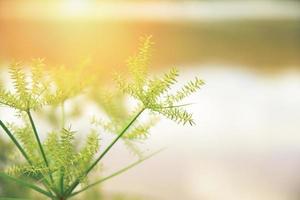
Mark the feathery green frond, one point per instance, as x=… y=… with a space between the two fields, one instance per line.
x=28 y=89
x=64 y=156
x=87 y=153
x=186 y=90
x=10 y=100
x=138 y=64
x=155 y=93
x=114 y=104
x=19 y=80
x=67 y=83
x=158 y=87
x=26 y=171
x=178 y=115
x=25 y=135
x=66 y=143
x=33 y=88
x=37 y=76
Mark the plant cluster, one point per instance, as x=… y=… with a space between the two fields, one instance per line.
x=55 y=167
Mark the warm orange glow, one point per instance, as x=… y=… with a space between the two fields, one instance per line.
x=67 y=31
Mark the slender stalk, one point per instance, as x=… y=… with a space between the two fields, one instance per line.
x=39 y=142
x=114 y=141
x=37 y=138
x=50 y=188
x=18 y=145
x=26 y=184
x=10 y=135
x=115 y=173
x=75 y=184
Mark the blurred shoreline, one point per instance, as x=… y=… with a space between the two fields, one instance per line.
x=259 y=35
x=263 y=45
x=150 y=10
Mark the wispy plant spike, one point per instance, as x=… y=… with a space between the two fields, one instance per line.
x=155 y=93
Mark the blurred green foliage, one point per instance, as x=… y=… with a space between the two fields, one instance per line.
x=8 y=188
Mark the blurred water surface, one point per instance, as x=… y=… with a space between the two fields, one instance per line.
x=245 y=144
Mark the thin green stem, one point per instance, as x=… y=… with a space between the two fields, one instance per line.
x=114 y=141
x=10 y=135
x=18 y=145
x=115 y=173
x=26 y=184
x=39 y=142
x=75 y=184
x=37 y=138
x=50 y=188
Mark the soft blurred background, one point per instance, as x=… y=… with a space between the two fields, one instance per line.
x=246 y=144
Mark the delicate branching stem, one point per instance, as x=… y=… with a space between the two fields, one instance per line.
x=26 y=184
x=115 y=173
x=39 y=142
x=75 y=184
x=10 y=135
